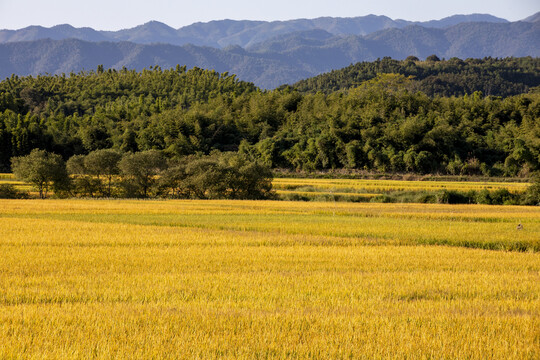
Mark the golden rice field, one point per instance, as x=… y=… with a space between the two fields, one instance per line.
x=317 y=193
x=382 y=186
x=6 y=178
x=9 y=179
x=114 y=279
x=346 y=189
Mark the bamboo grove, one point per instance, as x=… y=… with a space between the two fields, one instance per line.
x=382 y=124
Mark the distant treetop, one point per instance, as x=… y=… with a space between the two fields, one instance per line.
x=435 y=77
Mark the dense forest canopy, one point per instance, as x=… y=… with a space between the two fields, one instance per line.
x=454 y=77
x=380 y=122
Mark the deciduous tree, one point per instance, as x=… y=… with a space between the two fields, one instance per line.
x=42 y=169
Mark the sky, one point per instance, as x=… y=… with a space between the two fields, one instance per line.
x=121 y=14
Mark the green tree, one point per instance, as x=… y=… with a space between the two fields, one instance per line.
x=206 y=178
x=95 y=137
x=218 y=176
x=532 y=194
x=42 y=169
x=103 y=162
x=245 y=179
x=140 y=170
x=84 y=184
x=433 y=58
x=172 y=181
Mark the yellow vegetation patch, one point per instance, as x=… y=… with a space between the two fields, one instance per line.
x=233 y=279
x=480 y=226
x=354 y=185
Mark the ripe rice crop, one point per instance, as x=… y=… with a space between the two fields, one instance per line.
x=379 y=186
x=481 y=226
x=9 y=179
x=348 y=189
x=253 y=279
x=321 y=192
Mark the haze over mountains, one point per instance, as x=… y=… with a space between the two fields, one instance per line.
x=223 y=33
x=266 y=53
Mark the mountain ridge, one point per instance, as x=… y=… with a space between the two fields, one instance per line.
x=222 y=33
x=532 y=18
x=282 y=59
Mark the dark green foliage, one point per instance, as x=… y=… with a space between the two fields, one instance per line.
x=453 y=197
x=103 y=163
x=206 y=178
x=8 y=191
x=140 y=171
x=423 y=197
x=454 y=77
x=218 y=176
x=127 y=110
x=383 y=124
x=249 y=180
x=485 y=197
x=148 y=174
x=89 y=172
x=43 y=170
x=502 y=197
x=84 y=183
x=532 y=195
x=173 y=182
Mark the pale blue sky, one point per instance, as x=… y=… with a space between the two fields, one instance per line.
x=119 y=14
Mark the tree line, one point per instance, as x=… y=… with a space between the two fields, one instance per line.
x=435 y=77
x=110 y=173
x=384 y=124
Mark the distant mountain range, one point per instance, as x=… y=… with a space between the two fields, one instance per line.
x=266 y=53
x=223 y=33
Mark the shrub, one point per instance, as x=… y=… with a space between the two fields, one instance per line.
x=532 y=195
x=8 y=191
x=483 y=197
x=501 y=197
x=452 y=197
x=383 y=199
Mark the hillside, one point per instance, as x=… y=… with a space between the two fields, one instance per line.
x=280 y=60
x=66 y=56
x=454 y=77
x=382 y=125
x=533 y=18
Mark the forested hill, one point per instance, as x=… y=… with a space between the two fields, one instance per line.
x=108 y=108
x=454 y=77
x=279 y=59
x=380 y=125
